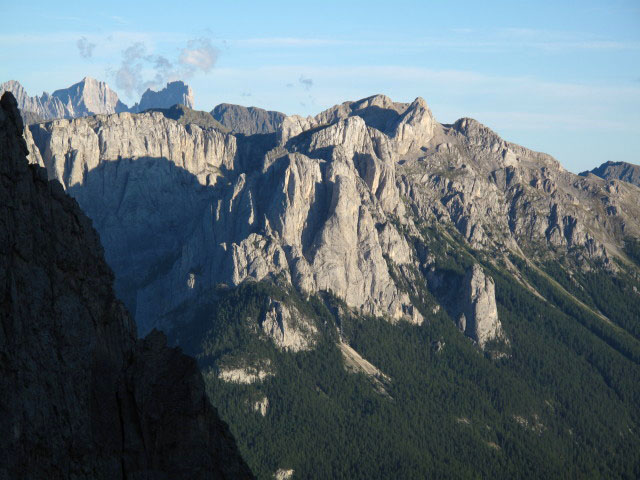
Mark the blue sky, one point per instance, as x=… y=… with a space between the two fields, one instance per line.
x=559 y=77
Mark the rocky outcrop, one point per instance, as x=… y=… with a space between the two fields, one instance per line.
x=627 y=172
x=410 y=125
x=288 y=328
x=283 y=474
x=378 y=111
x=479 y=314
x=355 y=363
x=247 y=120
x=175 y=93
x=261 y=406
x=82 y=397
x=242 y=371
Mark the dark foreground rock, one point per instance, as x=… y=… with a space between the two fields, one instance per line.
x=80 y=397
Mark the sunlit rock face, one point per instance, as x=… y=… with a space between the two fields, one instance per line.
x=332 y=202
x=479 y=307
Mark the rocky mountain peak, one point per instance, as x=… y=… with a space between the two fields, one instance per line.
x=90 y=97
x=627 y=172
x=414 y=128
x=378 y=111
x=174 y=93
x=37 y=108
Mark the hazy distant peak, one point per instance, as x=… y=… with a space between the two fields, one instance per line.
x=627 y=172
x=175 y=93
x=90 y=97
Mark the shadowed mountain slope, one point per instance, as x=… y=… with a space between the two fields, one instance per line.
x=82 y=397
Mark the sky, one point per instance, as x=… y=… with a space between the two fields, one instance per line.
x=558 y=77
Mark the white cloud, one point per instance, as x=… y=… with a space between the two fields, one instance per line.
x=140 y=69
x=199 y=54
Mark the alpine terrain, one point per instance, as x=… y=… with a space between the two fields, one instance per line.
x=370 y=293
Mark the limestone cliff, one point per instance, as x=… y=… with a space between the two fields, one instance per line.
x=218 y=213
x=333 y=202
x=81 y=396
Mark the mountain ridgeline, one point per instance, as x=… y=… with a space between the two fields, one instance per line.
x=82 y=397
x=371 y=293
x=91 y=97
x=617 y=171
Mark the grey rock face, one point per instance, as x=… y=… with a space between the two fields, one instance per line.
x=81 y=397
x=175 y=93
x=89 y=97
x=215 y=216
x=247 y=120
x=288 y=328
x=479 y=319
x=627 y=172
x=326 y=203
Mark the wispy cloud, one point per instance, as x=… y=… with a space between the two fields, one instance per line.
x=466 y=39
x=85 y=47
x=307 y=83
x=140 y=69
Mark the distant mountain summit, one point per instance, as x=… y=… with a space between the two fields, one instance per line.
x=175 y=93
x=627 y=172
x=43 y=107
x=90 y=97
x=87 y=97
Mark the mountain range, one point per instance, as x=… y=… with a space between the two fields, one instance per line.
x=371 y=293
x=91 y=97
